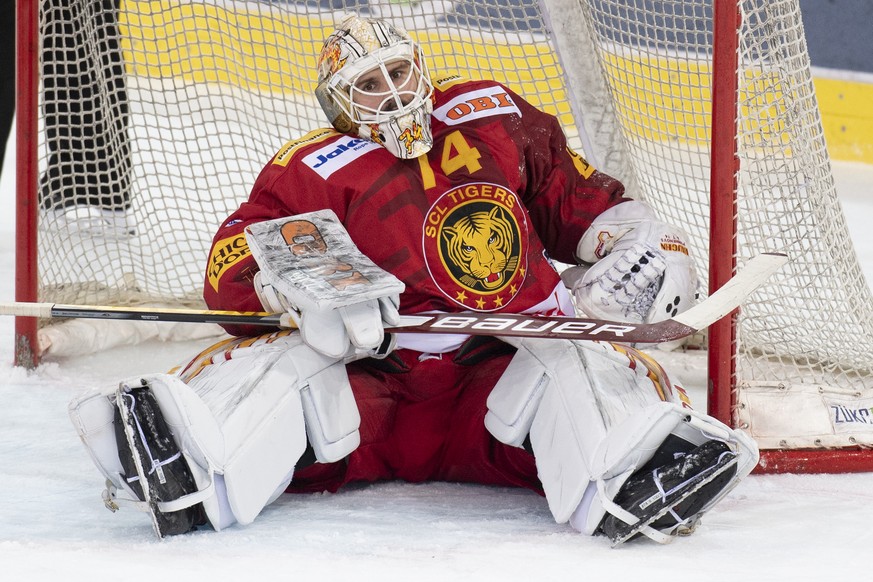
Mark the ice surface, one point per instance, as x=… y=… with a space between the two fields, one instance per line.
x=53 y=525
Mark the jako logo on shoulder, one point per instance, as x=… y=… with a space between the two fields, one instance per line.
x=475 y=105
x=330 y=158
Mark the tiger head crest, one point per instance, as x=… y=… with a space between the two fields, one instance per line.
x=480 y=246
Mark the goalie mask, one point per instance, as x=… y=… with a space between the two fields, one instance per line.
x=373 y=83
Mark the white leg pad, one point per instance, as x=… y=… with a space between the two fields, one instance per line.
x=241 y=421
x=628 y=447
x=92 y=414
x=633 y=443
x=594 y=412
x=546 y=392
x=515 y=399
x=332 y=417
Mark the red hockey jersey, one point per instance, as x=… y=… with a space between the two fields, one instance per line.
x=471 y=226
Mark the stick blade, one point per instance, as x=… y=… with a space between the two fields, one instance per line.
x=733 y=293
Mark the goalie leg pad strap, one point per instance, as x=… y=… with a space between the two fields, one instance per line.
x=154 y=465
x=629 y=446
x=93 y=416
x=658 y=502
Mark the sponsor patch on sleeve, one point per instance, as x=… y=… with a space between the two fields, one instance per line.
x=226 y=253
x=477 y=104
x=287 y=151
x=338 y=154
x=584 y=168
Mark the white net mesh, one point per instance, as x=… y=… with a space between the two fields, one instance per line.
x=812 y=324
x=159 y=114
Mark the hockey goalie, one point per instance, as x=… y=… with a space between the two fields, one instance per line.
x=429 y=193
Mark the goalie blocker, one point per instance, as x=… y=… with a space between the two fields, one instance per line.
x=617 y=449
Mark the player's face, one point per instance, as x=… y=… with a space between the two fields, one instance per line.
x=385 y=88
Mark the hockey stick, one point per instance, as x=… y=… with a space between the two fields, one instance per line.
x=702 y=315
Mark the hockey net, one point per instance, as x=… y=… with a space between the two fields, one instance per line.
x=156 y=117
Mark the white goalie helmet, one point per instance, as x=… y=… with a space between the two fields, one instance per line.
x=373 y=83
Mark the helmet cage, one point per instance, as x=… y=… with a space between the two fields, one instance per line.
x=373 y=82
x=404 y=85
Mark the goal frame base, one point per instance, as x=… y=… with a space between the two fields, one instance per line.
x=855 y=460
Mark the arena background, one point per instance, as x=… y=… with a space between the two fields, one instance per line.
x=841 y=51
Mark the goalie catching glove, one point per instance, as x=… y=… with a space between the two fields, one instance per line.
x=641 y=270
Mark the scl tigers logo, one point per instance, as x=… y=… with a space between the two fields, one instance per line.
x=474 y=243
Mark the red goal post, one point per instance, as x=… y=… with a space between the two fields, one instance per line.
x=706 y=110
x=27 y=114
x=722 y=342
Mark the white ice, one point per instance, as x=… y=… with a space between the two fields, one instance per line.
x=53 y=525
